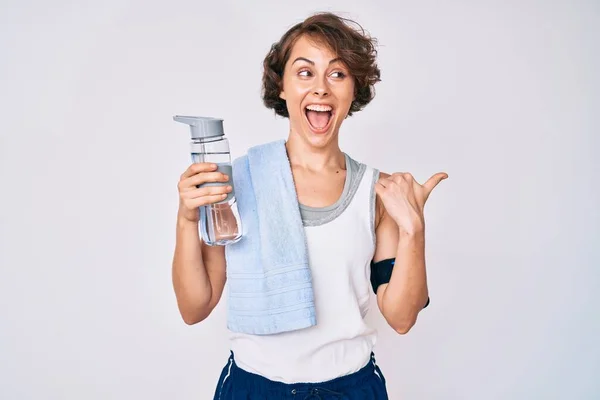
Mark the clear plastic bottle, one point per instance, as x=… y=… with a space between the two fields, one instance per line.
x=220 y=223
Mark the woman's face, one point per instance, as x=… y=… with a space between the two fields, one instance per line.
x=318 y=91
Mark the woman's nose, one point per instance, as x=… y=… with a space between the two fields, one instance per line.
x=321 y=88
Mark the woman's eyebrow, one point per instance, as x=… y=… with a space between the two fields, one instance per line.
x=312 y=62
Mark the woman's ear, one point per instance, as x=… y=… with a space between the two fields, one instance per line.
x=282 y=95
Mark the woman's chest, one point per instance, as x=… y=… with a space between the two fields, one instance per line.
x=345 y=241
x=319 y=190
x=340 y=253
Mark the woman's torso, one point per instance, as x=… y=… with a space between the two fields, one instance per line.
x=341 y=244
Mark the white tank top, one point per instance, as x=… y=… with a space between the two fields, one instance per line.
x=341 y=246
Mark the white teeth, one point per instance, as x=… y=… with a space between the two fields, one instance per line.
x=319 y=107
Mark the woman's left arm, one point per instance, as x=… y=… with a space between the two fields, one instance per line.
x=401 y=235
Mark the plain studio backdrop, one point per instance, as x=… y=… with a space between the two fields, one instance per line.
x=503 y=96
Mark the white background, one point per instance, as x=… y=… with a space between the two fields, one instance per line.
x=502 y=95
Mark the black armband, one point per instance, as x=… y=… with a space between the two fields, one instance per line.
x=381 y=272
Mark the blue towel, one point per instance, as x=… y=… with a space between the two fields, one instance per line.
x=268 y=272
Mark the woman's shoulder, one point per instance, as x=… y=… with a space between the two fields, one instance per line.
x=379 y=207
x=377 y=174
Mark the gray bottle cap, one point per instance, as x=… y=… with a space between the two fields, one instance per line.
x=202 y=127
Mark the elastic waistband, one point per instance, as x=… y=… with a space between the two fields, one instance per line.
x=268 y=387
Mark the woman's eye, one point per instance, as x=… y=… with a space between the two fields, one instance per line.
x=306 y=73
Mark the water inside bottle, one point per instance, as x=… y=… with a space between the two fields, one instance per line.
x=220 y=226
x=219 y=221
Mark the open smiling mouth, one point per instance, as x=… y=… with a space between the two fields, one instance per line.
x=319 y=117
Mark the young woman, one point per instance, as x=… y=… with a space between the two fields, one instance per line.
x=358 y=224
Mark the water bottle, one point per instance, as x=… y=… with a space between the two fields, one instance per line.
x=220 y=223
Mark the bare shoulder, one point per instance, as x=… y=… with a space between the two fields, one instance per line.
x=386 y=230
x=379 y=207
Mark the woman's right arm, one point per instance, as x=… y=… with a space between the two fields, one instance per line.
x=198 y=269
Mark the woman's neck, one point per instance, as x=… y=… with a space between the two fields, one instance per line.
x=303 y=155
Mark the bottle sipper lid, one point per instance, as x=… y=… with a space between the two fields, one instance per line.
x=202 y=127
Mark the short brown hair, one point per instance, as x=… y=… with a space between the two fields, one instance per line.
x=355 y=48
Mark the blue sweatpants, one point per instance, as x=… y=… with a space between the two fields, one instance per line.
x=237 y=384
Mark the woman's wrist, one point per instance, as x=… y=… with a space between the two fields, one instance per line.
x=186 y=221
